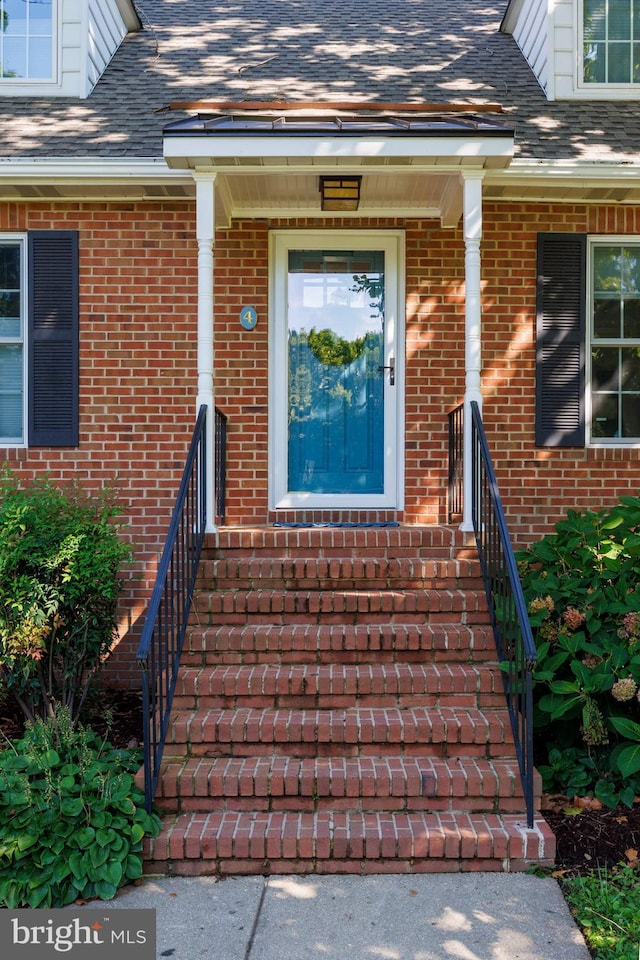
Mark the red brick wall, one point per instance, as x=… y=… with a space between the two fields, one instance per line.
x=138 y=383
x=138 y=308
x=538 y=486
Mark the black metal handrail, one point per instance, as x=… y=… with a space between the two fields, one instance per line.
x=220 y=464
x=166 y=621
x=507 y=607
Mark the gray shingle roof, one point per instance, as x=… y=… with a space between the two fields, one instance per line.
x=432 y=51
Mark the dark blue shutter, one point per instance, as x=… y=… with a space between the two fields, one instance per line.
x=53 y=338
x=560 y=340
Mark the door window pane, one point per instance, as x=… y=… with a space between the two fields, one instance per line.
x=336 y=386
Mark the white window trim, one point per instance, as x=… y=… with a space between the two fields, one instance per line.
x=592 y=242
x=280 y=242
x=596 y=91
x=21 y=240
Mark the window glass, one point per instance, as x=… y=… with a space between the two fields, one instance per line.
x=9 y=291
x=26 y=39
x=615 y=342
x=11 y=405
x=611 y=41
x=11 y=344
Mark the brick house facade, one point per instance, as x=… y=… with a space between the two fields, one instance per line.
x=138 y=355
x=168 y=240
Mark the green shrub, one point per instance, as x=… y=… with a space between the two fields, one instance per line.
x=72 y=819
x=582 y=586
x=60 y=558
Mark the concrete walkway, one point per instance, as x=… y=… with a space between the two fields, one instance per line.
x=484 y=916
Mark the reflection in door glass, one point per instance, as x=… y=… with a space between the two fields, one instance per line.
x=336 y=389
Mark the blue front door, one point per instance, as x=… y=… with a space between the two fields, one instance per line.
x=336 y=371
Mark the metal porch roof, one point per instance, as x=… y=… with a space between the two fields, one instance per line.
x=446 y=124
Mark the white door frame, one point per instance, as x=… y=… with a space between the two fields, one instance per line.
x=392 y=243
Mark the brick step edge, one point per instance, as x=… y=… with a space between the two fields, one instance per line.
x=243 y=730
x=427 y=783
x=312 y=643
x=338 y=573
x=341 y=601
x=412 y=541
x=328 y=686
x=235 y=842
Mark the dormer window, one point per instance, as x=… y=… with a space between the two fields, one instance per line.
x=26 y=39
x=611 y=41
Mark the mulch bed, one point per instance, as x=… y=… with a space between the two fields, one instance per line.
x=593 y=839
x=114 y=714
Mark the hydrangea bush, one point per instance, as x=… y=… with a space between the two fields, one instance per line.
x=582 y=587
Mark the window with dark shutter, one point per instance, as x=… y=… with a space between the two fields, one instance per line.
x=53 y=338
x=560 y=340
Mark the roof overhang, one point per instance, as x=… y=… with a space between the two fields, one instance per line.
x=80 y=178
x=565 y=181
x=284 y=187
x=270 y=162
x=229 y=140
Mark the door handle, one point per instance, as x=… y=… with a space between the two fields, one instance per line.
x=392 y=371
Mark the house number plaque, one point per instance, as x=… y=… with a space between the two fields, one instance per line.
x=248 y=317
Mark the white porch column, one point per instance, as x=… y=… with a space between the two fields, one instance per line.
x=472 y=222
x=205 y=234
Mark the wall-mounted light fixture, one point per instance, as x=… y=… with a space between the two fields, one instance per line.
x=340 y=193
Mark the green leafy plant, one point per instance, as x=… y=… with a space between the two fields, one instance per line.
x=72 y=819
x=60 y=558
x=606 y=904
x=582 y=586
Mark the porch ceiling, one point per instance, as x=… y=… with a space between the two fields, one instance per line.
x=392 y=193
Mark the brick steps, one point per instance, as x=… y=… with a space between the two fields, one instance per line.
x=341 y=606
x=338 y=573
x=236 y=842
x=358 y=731
x=339 y=708
x=336 y=685
x=363 y=784
x=338 y=643
x=439 y=542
